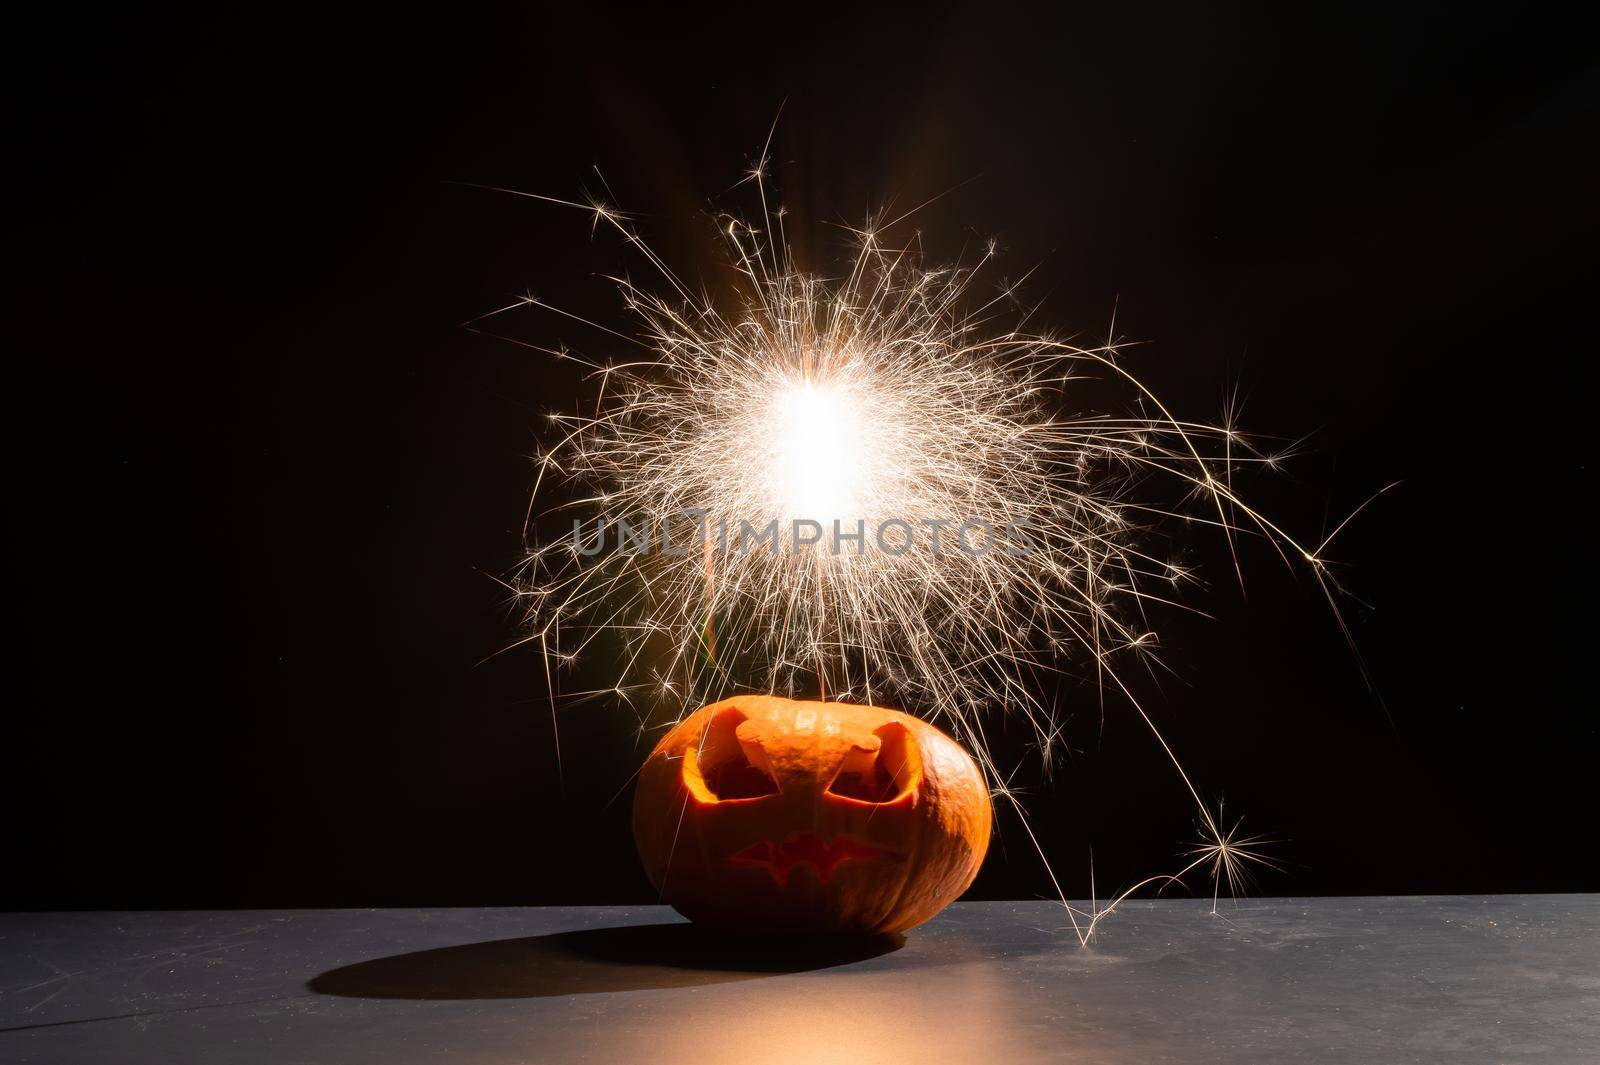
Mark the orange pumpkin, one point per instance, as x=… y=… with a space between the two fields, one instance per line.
x=771 y=815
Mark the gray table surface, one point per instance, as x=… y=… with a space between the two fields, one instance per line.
x=1457 y=979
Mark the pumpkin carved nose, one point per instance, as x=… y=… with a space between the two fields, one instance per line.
x=881 y=768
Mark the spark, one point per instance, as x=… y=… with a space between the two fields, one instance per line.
x=887 y=397
x=1229 y=856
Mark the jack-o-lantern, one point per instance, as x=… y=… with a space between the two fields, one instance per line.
x=771 y=815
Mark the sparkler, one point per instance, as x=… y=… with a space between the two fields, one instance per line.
x=855 y=425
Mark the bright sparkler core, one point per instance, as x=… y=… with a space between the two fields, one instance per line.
x=822 y=452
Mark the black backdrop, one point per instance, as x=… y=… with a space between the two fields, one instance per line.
x=260 y=474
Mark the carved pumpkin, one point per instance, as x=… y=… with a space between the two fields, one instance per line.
x=771 y=815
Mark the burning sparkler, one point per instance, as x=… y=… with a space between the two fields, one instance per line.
x=865 y=484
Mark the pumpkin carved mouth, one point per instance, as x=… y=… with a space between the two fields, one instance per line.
x=807 y=848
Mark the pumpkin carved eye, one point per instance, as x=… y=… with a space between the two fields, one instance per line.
x=728 y=765
x=882 y=770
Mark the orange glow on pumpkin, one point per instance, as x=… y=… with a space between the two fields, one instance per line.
x=770 y=814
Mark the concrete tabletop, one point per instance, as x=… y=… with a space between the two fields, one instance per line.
x=1443 y=979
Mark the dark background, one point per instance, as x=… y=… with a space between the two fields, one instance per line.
x=261 y=476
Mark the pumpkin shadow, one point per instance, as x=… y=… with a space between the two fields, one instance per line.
x=590 y=961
